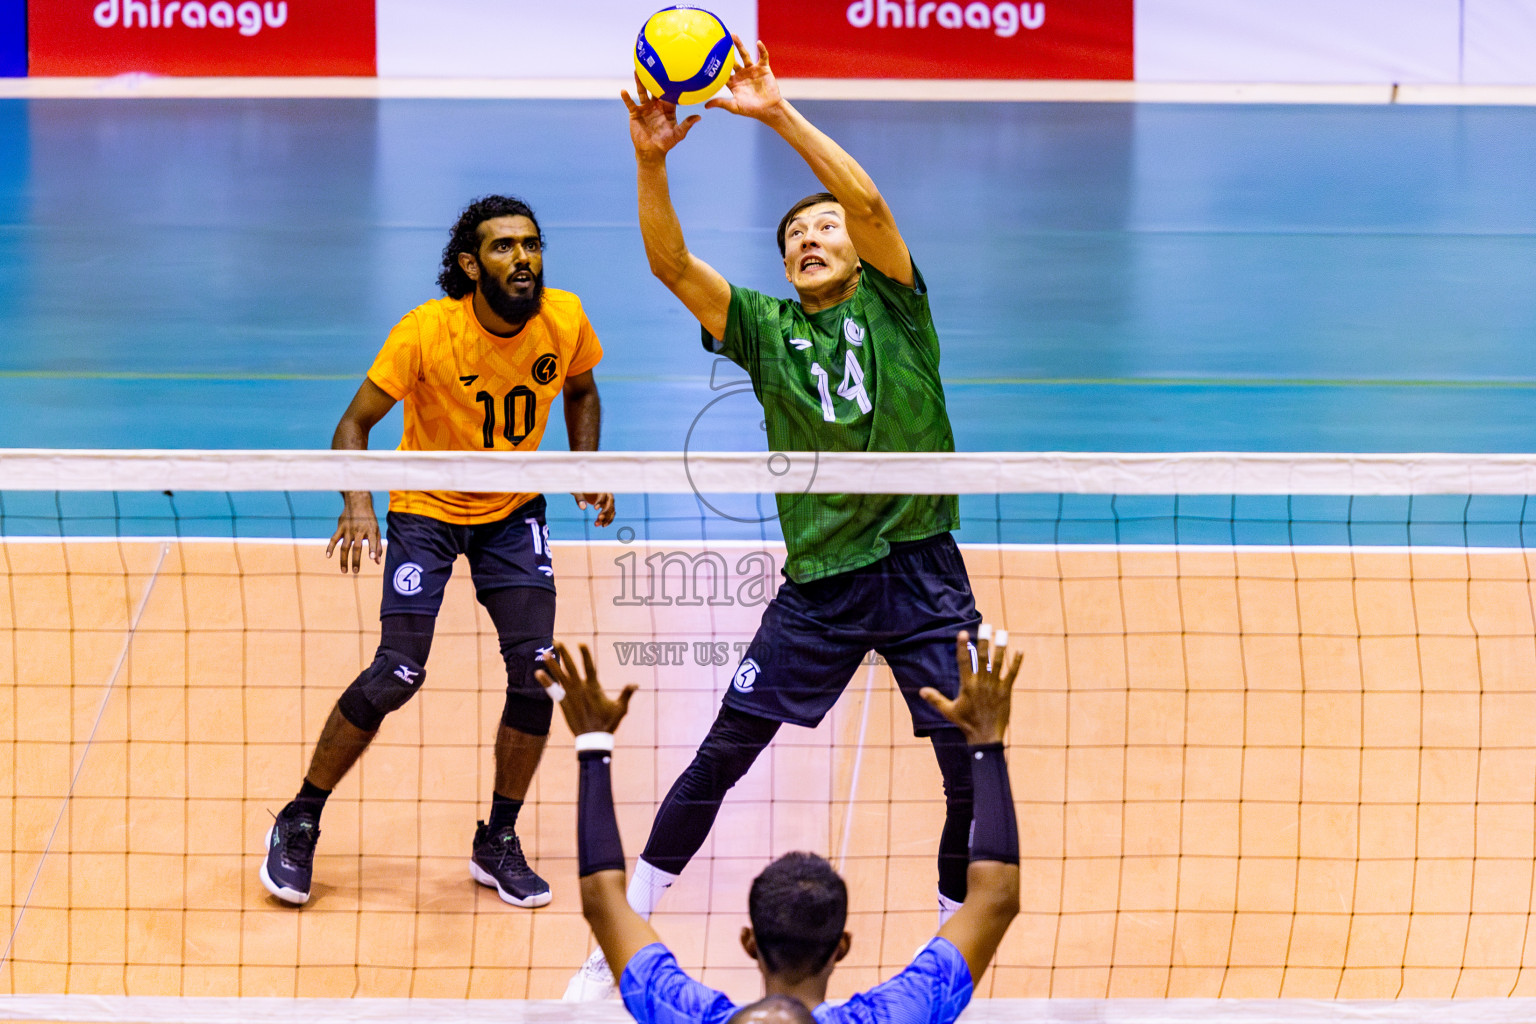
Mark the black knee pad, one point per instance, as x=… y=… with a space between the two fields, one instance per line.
x=527 y=712
x=382 y=687
x=528 y=708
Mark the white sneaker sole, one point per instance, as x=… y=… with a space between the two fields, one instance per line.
x=487 y=879
x=282 y=892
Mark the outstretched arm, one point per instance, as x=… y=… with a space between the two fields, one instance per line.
x=654 y=129
x=357 y=524
x=583 y=425
x=871 y=226
x=992 y=881
x=592 y=717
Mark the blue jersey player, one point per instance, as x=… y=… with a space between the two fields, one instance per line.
x=799 y=905
x=850 y=364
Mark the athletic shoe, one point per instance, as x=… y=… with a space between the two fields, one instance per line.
x=593 y=983
x=499 y=863
x=290 y=856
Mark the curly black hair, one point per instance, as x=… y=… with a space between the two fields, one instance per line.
x=466 y=238
x=798 y=907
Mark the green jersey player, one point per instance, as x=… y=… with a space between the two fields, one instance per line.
x=852 y=364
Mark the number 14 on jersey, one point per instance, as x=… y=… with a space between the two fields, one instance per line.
x=851 y=388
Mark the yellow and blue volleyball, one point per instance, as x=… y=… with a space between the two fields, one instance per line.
x=682 y=54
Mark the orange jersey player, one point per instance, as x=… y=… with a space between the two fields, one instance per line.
x=478 y=371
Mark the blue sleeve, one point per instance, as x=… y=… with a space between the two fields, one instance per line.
x=656 y=990
x=934 y=989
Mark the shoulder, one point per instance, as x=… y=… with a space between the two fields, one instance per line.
x=933 y=989
x=562 y=313
x=436 y=316
x=562 y=305
x=656 y=990
x=873 y=279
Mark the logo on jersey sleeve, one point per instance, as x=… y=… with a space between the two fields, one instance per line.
x=853 y=332
x=545 y=368
x=800 y=343
x=408 y=579
x=746 y=676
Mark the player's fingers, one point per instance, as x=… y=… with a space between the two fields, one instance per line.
x=762 y=53
x=942 y=704
x=687 y=126
x=357 y=554
x=640 y=91
x=586 y=661
x=741 y=50
x=335 y=538
x=1013 y=671
x=629 y=104
x=964 y=656
x=623 y=701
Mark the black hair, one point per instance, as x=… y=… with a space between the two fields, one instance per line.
x=798 y=907
x=466 y=238
x=780 y=1009
x=811 y=200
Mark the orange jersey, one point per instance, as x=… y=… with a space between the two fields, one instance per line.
x=465 y=389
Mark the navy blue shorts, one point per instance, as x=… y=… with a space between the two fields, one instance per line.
x=511 y=552
x=908 y=607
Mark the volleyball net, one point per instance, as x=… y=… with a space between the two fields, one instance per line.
x=1275 y=736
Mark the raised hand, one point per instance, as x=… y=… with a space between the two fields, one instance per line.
x=653 y=124
x=986 y=692
x=754 y=90
x=586 y=707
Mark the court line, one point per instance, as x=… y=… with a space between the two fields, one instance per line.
x=256 y=1010
x=101 y=711
x=858 y=765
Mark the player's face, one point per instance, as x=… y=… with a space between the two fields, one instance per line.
x=511 y=267
x=819 y=257
x=511 y=254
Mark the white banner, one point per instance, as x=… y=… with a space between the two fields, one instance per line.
x=525 y=38
x=1324 y=41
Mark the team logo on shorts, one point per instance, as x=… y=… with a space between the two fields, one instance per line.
x=853 y=332
x=408 y=579
x=746 y=676
x=545 y=368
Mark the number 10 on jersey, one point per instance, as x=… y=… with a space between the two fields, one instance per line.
x=851 y=388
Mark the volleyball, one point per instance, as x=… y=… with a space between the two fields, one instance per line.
x=682 y=54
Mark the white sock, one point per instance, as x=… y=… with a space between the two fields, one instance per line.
x=947 y=908
x=646 y=886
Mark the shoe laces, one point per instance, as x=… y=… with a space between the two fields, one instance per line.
x=299 y=833
x=507 y=848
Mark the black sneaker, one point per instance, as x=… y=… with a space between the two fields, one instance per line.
x=291 y=855
x=499 y=862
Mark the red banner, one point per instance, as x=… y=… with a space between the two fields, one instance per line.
x=201 y=37
x=926 y=39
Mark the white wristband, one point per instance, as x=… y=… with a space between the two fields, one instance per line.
x=594 y=741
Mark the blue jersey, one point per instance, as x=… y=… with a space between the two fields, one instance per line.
x=933 y=989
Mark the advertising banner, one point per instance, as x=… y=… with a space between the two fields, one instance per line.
x=202 y=37
x=953 y=39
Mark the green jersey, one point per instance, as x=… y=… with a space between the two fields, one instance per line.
x=862 y=376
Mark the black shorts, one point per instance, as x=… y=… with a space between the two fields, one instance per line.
x=511 y=552
x=908 y=607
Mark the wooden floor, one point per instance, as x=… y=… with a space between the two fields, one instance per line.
x=1241 y=774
